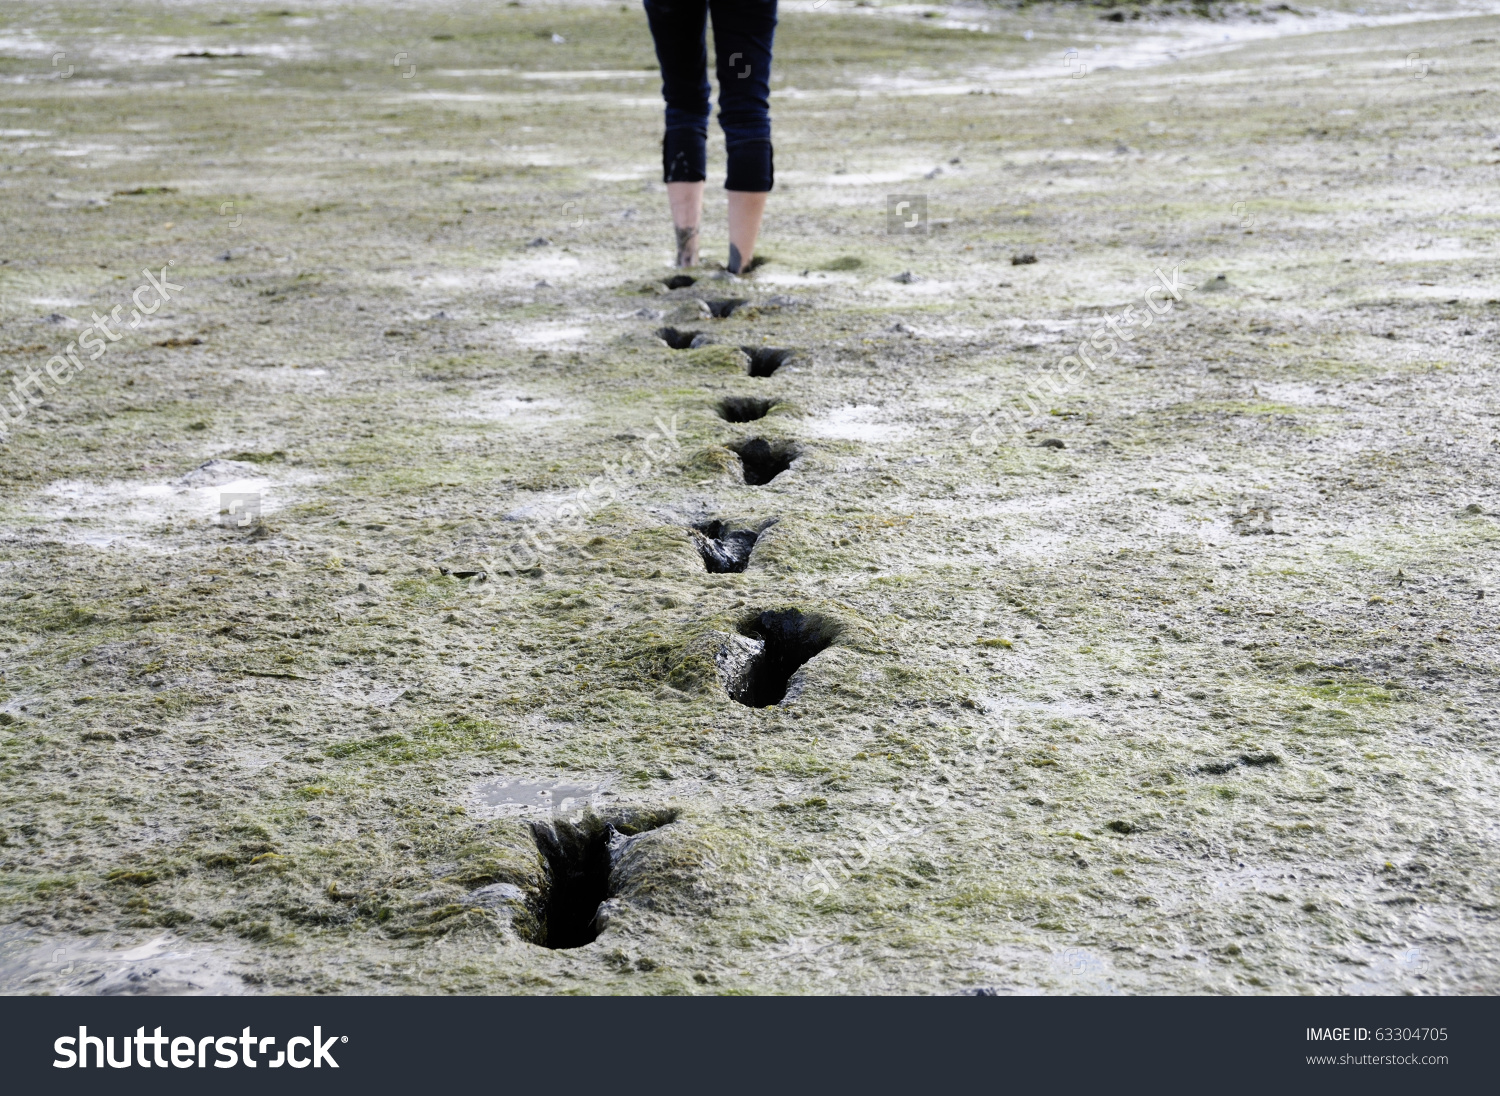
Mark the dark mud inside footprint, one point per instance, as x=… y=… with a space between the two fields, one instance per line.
x=744 y=408
x=789 y=640
x=765 y=360
x=581 y=859
x=764 y=460
x=679 y=281
x=677 y=340
x=723 y=309
x=725 y=549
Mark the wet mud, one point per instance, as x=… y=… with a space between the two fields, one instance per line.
x=1127 y=621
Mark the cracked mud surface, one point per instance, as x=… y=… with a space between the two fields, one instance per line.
x=1199 y=700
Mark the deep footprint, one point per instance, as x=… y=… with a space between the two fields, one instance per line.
x=678 y=340
x=581 y=860
x=679 y=281
x=764 y=460
x=722 y=310
x=765 y=360
x=726 y=550
x=744 y=408
x=788 y=641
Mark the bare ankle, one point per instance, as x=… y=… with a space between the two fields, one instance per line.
x=687 y=246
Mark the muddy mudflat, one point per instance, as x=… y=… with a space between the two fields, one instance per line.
x=1067 y=564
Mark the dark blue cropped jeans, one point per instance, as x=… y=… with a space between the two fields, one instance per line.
x=743 y=34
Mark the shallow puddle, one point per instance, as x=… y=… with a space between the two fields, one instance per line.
x=526 y=796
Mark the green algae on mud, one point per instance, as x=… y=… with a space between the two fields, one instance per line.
x=1044 y=728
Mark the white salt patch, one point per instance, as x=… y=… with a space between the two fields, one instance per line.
x=857 y=423
x=550 y=335
x=514 y=411
x=124 y=513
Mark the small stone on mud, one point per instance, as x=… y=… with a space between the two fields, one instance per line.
x=1051 y=443
x=1023 y=259
x=540 y=241
x=906 y=277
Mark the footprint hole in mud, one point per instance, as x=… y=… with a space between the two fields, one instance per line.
x=763 y=460
x=726 y=549
x=765 y=360
x=723 y=309
x=582 y=858
x=677 y=340
x=788 y=640
x=744 y=408
x=679 y=281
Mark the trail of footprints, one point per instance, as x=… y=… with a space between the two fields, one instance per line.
x=775 y=645
x=587 y=862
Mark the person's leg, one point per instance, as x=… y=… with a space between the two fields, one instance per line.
x=677 y=27
x=686 y=201
x=744 y=32
x=746 y=208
